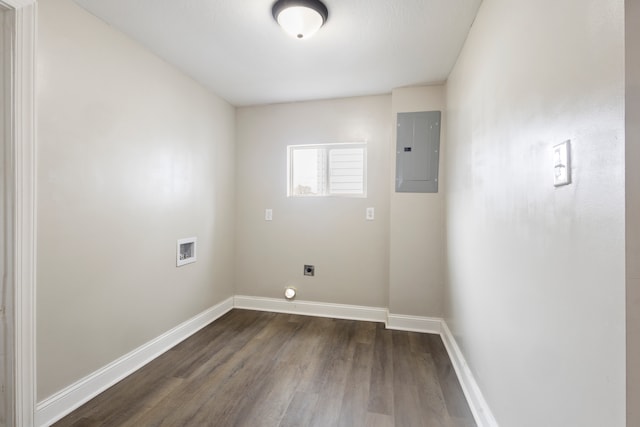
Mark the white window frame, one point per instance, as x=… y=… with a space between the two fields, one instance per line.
x=328 y=147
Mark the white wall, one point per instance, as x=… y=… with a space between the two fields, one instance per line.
x=132 y=155
x=536 y=274
x=416 y=230
x=632 y=156
x=350 y=254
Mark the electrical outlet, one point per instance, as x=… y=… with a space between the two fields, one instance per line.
x=370 y=214
x=268 y=214
x=309 y=270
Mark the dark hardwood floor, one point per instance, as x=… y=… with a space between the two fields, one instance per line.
x=252 y=368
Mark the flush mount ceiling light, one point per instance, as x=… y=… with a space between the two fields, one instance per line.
x=300 y=18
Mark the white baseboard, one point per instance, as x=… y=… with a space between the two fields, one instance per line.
x=63 y=402
x=428 y=325
x=309 y=308
x=478 y=405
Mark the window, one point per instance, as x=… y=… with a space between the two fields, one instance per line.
x=327 y=170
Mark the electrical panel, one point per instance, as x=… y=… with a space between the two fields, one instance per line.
x=418 y=152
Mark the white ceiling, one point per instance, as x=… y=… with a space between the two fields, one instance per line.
x=236 y=48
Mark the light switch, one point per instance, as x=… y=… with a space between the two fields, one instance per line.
x=370 y=214
x=268 y=214
x=562 y=164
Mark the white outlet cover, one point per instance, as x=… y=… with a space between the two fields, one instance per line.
x=268 y=214
x=370 y=214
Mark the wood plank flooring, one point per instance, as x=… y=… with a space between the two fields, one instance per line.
x=259 y=369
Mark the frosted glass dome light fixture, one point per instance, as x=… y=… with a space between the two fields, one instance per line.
x=300 y=18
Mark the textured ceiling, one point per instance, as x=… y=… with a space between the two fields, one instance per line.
x=236 y=48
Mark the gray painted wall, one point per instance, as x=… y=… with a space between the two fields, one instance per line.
x=132 y=155
x=536 y=274
x=416 y=229
x=350 y=254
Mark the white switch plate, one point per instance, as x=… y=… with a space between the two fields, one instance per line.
x=268 y=214
x=370 y=214
x=562 y=164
